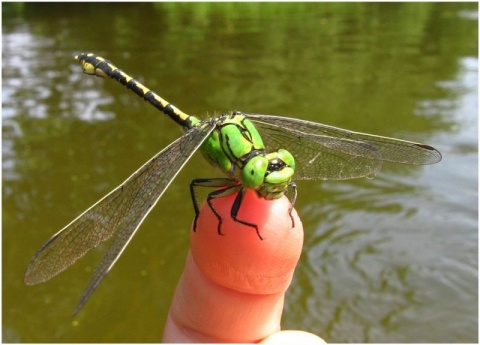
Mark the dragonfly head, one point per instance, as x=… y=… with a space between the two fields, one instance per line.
x=269 y=174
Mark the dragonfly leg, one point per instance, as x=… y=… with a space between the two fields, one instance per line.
x=231 y=186
x=236 y=207
x=293 y=200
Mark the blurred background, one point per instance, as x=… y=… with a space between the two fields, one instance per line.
x=389 y=259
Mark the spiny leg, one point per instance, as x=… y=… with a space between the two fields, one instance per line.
x=293 y=200
x=235 y=209
x=231 y=186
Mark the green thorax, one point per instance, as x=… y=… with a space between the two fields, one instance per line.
x=234 y=141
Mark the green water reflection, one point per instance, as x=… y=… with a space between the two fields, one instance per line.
x=393 y=259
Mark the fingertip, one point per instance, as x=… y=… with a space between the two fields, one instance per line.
x=239 y=258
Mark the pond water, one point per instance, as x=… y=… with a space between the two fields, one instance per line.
x=388 y=259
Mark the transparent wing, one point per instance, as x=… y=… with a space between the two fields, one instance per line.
x=328 y=153
x=119 y=213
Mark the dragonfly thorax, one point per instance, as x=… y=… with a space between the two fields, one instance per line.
x=233 y=143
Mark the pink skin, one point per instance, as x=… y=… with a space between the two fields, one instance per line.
x=233 y=285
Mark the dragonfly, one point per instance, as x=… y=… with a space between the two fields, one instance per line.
x=265 y=153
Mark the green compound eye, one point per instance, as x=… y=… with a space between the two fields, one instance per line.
x=287 y=158
x=253 y=173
